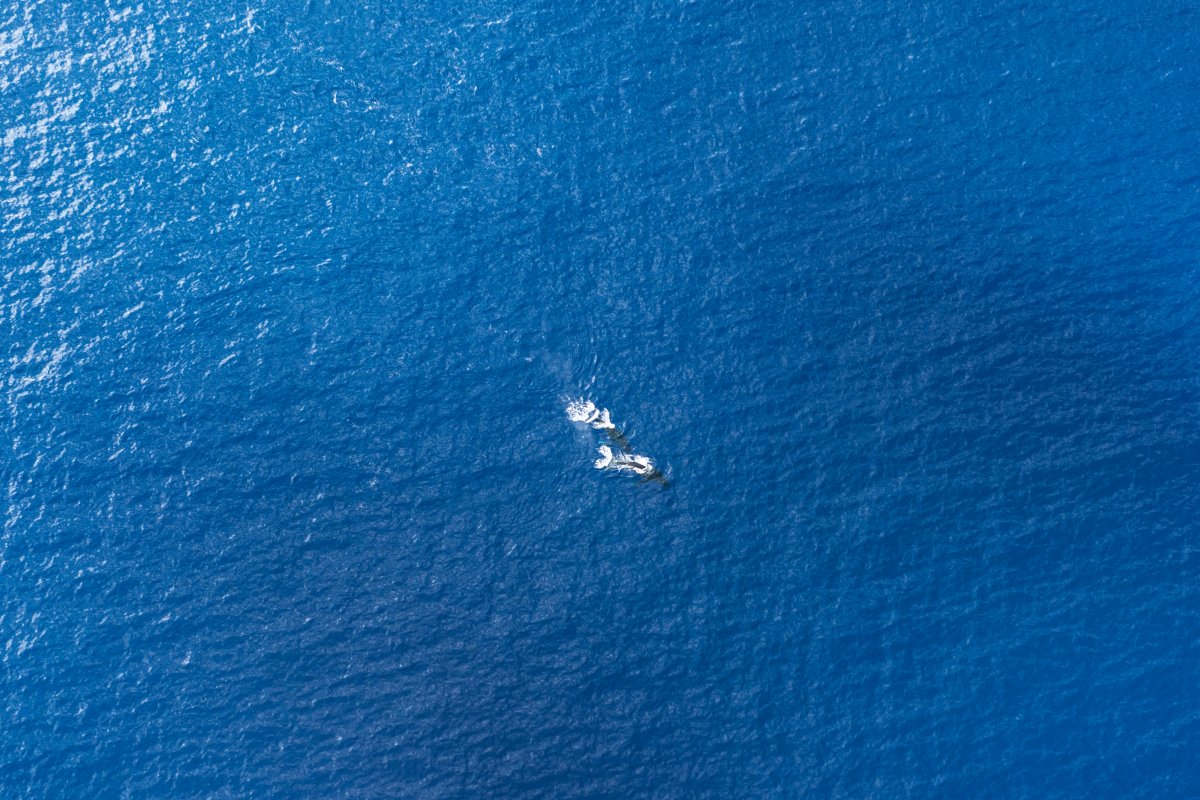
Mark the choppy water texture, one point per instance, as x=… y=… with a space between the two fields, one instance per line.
x=904 y=298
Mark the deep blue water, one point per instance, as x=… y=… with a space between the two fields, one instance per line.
x=905 y=298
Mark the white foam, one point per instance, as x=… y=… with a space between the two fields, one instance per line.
x=582 y=410
x=606 y=457
x=587 y=412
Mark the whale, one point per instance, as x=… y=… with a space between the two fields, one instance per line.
x=588 y=413
x=639 y=465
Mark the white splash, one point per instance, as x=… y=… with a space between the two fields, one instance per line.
x=606 y=457
x=582 y=411
x=585 y=411
x=640 y=465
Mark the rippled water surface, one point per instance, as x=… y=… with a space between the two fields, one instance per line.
x=902 y=297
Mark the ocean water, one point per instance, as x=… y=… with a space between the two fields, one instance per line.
x=903 y=297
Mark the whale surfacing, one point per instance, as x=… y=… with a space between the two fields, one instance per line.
x=588 y=413
x=629 y=463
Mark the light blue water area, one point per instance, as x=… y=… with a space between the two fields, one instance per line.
x=903 y=298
